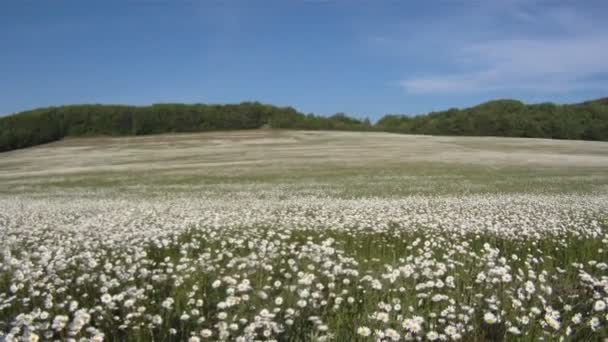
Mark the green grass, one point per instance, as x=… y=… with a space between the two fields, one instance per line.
x=382 y=181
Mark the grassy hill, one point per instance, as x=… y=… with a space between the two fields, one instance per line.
x=365 y=163
x=109 y=225
x=509 y=118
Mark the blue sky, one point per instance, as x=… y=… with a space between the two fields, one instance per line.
x=362 y=57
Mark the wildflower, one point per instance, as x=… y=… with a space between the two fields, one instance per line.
x=106 y=298
x=489 y=318
x=167 y=303
x=97 y=338
x=59 y=322
x=599 y=305
x=392 y=334
x=514 y=330
x=73 y=305
x=594 y=323
x=364 y=331
x=413 y=325
x=530 y=288
x=552 y=321
x=432 y=336
x=157 y=320
x=450 y=330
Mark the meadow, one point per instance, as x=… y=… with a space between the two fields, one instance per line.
x=270 y=235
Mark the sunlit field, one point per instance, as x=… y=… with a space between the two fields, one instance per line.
x=304 y=236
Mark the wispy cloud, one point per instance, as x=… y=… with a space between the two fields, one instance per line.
x=543 y=65
x=568 y=54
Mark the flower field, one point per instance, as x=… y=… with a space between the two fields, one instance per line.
x=181 y=245
x=277 y=265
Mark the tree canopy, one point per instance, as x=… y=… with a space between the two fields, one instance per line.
x=49 y=124
x=509 y=118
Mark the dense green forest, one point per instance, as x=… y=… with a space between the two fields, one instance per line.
x=588 y=121
x=509 y=118
x=50 y=124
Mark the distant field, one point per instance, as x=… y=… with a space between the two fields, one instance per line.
x=405 y=163
x=269 y=235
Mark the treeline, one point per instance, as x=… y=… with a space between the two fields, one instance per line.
x=509 y=118
x=45 y=125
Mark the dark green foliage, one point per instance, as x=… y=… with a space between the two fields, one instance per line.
x=509 y=118
x=588 y=121
x=45 y=125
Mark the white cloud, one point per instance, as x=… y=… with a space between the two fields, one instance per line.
x=568 y=56
x=545 y=65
